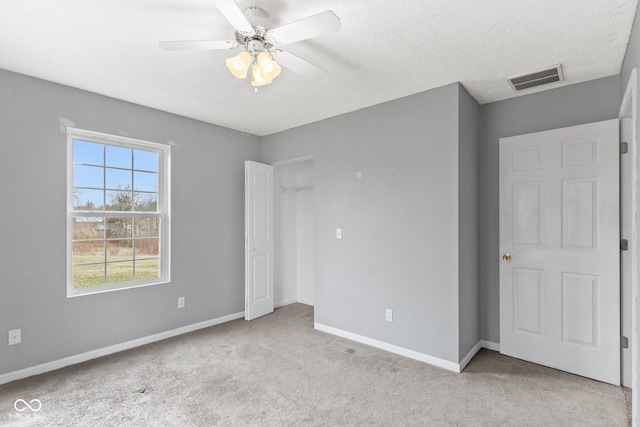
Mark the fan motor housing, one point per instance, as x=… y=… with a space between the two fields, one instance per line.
x=255 y=43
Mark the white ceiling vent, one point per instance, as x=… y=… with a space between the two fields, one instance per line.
x=539 y=78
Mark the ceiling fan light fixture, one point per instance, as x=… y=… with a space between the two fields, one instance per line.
x=257 y=77
x=264 y=70
x=269 y=68
x=239 y=64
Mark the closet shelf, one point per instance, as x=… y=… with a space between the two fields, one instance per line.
x=301 y=187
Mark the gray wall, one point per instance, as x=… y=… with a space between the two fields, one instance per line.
x=591 y=101
x=468 y=202
x=399 y=220
x=207 y=221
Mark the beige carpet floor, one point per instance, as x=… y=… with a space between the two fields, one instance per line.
x=279 y=371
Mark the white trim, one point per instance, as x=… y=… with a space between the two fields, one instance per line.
x=431 y=360
x=490 y=345
x=105 y=138
x=285 y=302
x=94 y=354
x=297 y=160
x=305 y=302
x=631 y=99
x=628 y=180
x=292 y=301
x=476 y=348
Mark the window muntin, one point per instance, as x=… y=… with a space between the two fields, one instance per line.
x=118 y=213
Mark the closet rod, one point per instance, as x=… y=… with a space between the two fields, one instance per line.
x=302 y=187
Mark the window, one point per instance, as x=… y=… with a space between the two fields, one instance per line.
x=117 y=212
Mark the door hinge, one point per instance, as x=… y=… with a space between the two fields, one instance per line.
x=624 y=342
x=624 y=245
x=624 y=147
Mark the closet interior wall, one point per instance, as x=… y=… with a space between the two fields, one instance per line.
x=293 y=227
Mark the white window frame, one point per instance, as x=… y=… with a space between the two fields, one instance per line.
x=163 y=206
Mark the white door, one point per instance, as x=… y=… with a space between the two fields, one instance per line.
x=559 y=243
x=258 y=240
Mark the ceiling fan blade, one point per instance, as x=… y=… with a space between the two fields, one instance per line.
x=198 y=45
x=231 y=11
x=312 y=26
x=299 y=65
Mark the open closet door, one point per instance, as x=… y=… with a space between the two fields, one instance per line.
x=258 y=240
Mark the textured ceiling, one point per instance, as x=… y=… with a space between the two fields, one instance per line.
x=385 y=50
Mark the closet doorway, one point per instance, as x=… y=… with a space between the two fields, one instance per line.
x=293 y=232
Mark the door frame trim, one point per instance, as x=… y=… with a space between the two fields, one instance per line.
x=630 y=100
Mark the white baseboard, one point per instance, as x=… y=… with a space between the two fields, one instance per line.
x=285 y=302
x=94 y=354
x=490 y=345
x=292 y=301
x=431 y=360
x=476 y=348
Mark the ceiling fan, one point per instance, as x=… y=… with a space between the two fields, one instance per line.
x=261 y=46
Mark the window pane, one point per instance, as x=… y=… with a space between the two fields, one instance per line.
x=147 y=248
x=145 y=160
x=119 y=250
x=119 y=272
x=118 y=179
x=85 y=276
x=88 y=176
x=88 y=251
x=119 y=228
x=144 y=181
x=119 y=157
x=147 y=227
x=88 y=153
x=146 y=202
x=88 y=228
x=119 y=201
x=88 y=200
x=147 y=269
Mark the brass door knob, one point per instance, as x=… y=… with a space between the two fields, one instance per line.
x=506 y=257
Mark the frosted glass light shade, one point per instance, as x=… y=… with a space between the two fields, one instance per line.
x=269 y=68
x=239 y=64
x=257 y=78
x=264 y=70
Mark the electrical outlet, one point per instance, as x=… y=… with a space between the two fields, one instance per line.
x=15 y=336
x=181 y=302
x=338 y=233
x=388 y=314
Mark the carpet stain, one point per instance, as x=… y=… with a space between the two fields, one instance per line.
x=350 y=351
x=143 y=389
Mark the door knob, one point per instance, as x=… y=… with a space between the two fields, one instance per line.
x=506 y=257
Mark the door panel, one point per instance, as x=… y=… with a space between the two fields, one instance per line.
x=580 y=309
x=258 y=240
x=559 y=222
x=580 y=214
x=528 y=214
x=527 y=300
